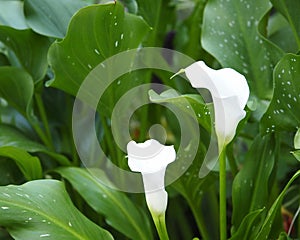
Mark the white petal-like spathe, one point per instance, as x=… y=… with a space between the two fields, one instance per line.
x=230 y=93
x=150 y=156
x=151 y=159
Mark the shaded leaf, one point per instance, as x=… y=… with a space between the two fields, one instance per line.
x=51 y=17
x=290 y=10
x=42 y=209
x=267 y=225
x=248 y=227
x=280 y=33
x=119 y=211
x=12 y=14
x=250 y=190
x=231 y=33
x=155 y=15
x=197 y=192
x=30 y=166
x=11 y=137
x=30 y=48
x=281 y=114
x=17 y=87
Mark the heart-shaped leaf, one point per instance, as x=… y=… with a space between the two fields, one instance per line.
x=51 y=17
x=231 y=33
x=119 y=211
x=110 y=30
x=42 y=209
x=282 y=114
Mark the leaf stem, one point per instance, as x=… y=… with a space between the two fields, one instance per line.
x=43 y=115
x=222 y=182
x=160 y=224
x=231 y=160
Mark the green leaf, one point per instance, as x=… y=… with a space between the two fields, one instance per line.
x=110 y=31
x=280 y=33
x=248 y=227
x=12 y=14
x=197 y=192
x=51 y=17
x=30 y=166
x=155 y=15
x=187 y=36
x=231 y=34
x=290 y=10
x=17 y=87
x=30 y=48
x=297 y=140
x=10 y=173
x=251 y=186
x=10 y=136
x=267 y=225
x=119 y=211
x=281 y=114
x=42 y=209
x=196 y=107
x=284 y=236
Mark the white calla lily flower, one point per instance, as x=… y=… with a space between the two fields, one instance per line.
x=151 y=159
x=230 y=93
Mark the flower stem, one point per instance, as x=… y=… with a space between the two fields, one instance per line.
x=222 y=182
x=160 y=224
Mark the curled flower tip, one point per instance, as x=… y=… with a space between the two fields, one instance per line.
x=230 y=93
x=178 y=73
x=151 y=159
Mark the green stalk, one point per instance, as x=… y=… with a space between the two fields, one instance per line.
x=44 y=119
x=199 y=220
x=222 y=182
x=160 y=224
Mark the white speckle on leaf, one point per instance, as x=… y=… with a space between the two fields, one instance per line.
x=96 y=51
x=89 y=66
x=6 y=195
x=5 y=208
x=45 y=235
x=116 y=43
x=70 y=224
x=122 y=36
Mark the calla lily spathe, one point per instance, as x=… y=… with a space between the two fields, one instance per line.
x=230 y=93
x=151 y=159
